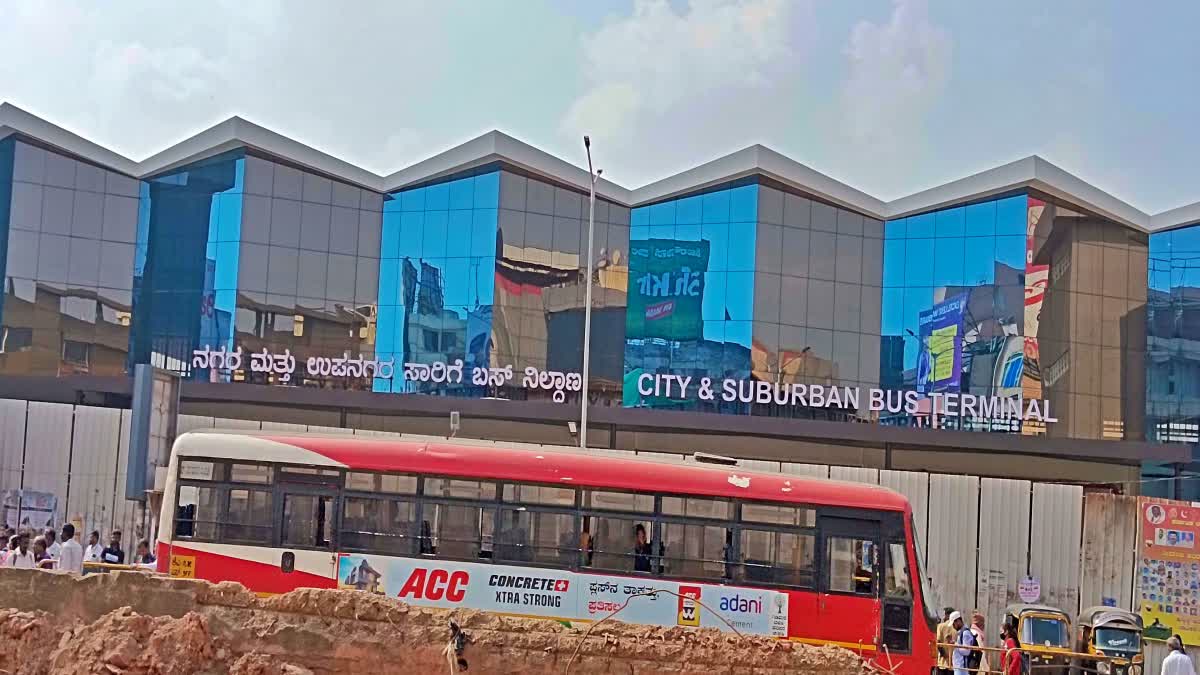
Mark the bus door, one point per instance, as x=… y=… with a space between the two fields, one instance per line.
x=306 y=512
x=848 y=604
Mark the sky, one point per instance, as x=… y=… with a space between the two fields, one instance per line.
x=889 y=96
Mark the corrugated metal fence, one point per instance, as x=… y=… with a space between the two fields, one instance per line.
x=980 y=536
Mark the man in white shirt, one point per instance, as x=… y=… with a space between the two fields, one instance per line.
x=52 y=546
x=21 y=557
x=93 y=550
x=1177 y=662
x=70 y=556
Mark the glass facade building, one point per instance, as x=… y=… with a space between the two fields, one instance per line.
x=468 y=277
x=485 y=271
x=67 y=231
x=239 y=251
x=1173 y=337
x=749 y=282
x=1018 y=296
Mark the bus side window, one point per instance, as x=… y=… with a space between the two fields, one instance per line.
x=851 y=565
x=779 y=557
x=896 y=583
x=457 y=531
x=613 y=542
x=697 y=551
x=538 y=537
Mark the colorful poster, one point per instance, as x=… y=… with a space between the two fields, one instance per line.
x=28 y=509
x=1169 y=569
x=666 y=289
x=939 y=366
x=564 y=595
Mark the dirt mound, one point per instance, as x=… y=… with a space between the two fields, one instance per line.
x=24 y=639
x=183 y=627
x=255 y=663
x=127 y=642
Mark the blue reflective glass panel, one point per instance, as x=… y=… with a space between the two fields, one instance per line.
x=689 y=210
x=662 y=214
x=487 y=191
x=1011 y=215
x=716 y=207
x=949 y=223
x=743 y=204
x=918 y=262
x=462 y=194
x=437 y=197
x=980 y=219
x=979 y=261
x=921 y=226
x=893 y=262
x=948 y=263
x=413 y=200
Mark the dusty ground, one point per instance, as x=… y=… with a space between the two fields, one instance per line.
x=199 y=628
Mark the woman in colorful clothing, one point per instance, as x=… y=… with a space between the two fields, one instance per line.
x=1011 y=662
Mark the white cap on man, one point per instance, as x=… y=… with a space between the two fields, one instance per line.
x=955 y=616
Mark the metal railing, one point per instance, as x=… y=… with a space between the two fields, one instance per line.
x=1056 y=660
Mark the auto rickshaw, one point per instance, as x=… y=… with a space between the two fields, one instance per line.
x=1045 y=635
x=1111 y=632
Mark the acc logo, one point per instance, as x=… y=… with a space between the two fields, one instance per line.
x=689 y=609
x=435 y=584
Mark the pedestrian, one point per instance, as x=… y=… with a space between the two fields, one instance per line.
x=70 y=555
x=20 y=556
x=91 y=553
x=945 y=637
x=9 y=547
x=1177 y=662
x=965 y=654
x=1010 y=663
x=52 y=546
x=143 y=556
x=41 y=557
x=641 y=549
x=112 y=554
x=980 y=660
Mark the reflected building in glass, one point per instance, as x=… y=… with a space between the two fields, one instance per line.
x=752 y=275
x=241 y=251
x=754 y=282
x=1020 y=296
x=67 y=233
x=485 y=270
x=1173 y=337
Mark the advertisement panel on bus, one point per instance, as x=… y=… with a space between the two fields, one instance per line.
x=564 y=595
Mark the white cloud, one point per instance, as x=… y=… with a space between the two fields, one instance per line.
x=138 y=76
x=707 y=70
x=167 y=74
x=897 y=72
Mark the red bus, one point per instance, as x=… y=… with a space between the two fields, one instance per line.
x=552 y=532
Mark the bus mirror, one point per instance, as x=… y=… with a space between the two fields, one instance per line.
x=287 y=562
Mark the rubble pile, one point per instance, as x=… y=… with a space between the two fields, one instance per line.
x=176 y=627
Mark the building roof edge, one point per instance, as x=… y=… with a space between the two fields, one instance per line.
x=20 y=121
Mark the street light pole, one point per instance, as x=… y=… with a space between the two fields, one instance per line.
x=593 y=175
